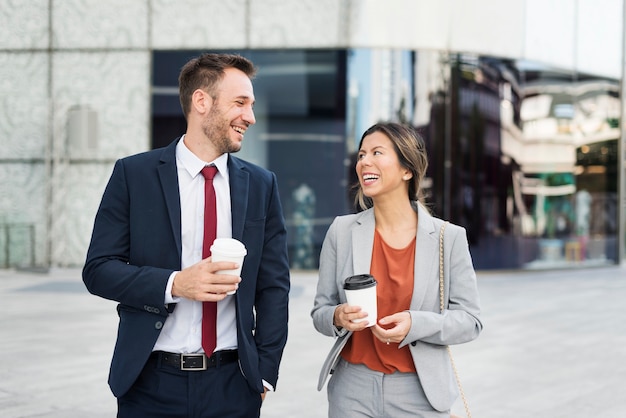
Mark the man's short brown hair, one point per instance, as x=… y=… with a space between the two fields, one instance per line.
x=205 y=71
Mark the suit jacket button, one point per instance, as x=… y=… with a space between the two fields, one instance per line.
x=158 y=325
x=151 y=309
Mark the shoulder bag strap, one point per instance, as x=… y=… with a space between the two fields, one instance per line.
x=442 y=308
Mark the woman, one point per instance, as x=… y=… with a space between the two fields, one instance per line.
x=398 y=367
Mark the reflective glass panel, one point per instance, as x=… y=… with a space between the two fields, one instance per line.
x=525 y=157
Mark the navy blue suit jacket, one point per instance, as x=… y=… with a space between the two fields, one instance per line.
x=136 y=245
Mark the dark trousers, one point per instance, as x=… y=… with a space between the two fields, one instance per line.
x=161 y=390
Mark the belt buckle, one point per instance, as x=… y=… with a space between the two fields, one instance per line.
x=194 y=366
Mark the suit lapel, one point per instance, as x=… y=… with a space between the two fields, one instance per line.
x=426 y=258
x=239 y=186
x=363 y=242
x=168 y=177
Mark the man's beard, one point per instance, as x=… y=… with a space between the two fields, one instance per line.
x=217 y=129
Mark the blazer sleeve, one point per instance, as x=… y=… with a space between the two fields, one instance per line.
x=460 y=322
x=328 y=294
x=111 y=270
x=272 y=290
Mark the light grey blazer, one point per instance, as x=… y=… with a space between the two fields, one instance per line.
x=347 y=250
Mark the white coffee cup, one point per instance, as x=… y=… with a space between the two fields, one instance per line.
x=229 y=249
x=361 y=291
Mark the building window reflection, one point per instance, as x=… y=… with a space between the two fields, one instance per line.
x=539 y=190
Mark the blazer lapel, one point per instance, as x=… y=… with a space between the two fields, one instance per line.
x=168 y=177
x=426 y=257
x=239 y=184
x=363 y=242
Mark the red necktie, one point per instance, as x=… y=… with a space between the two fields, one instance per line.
x=209 y=309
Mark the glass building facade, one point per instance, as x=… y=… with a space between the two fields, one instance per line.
x=523 y=155
x=522 y=116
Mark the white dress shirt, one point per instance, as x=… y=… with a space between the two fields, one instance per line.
x=182 y=332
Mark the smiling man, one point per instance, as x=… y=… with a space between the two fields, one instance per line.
x=185 y=348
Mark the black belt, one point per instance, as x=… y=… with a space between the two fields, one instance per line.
x=195 y=362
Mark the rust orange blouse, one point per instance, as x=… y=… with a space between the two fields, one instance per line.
x=393 y=269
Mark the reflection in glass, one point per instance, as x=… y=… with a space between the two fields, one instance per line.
x=527 y=162
x=563 y=198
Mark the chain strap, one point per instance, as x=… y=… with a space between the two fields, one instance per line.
x=441 y=308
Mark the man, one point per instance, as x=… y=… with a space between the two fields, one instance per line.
x=146 y=253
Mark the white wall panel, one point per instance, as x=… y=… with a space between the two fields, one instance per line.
x=96 y=24
x=300 y=24
x=75 y=204
x=23 y=24
x=117 y=86
x=198 y=24
x=570 y=34
x=599 y=38
x=23 y=207
x=24 y=112
x=400 y=24
x=23 y=104
x=550 y=32
x=114 y=84
x=488 y=27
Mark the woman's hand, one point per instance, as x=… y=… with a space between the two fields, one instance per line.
x=400 y=325
x=344 y=314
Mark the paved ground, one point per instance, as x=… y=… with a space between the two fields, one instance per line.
x=554 y=345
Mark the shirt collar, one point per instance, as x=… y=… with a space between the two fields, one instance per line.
x=194 y=165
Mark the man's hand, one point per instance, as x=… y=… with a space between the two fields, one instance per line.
x=201 y=281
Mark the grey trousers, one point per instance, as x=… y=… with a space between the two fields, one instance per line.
x=356 y=391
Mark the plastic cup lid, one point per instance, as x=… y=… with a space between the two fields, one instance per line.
x=229 y=246
x=360 y=281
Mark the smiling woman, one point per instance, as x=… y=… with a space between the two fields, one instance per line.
x=411 y=332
